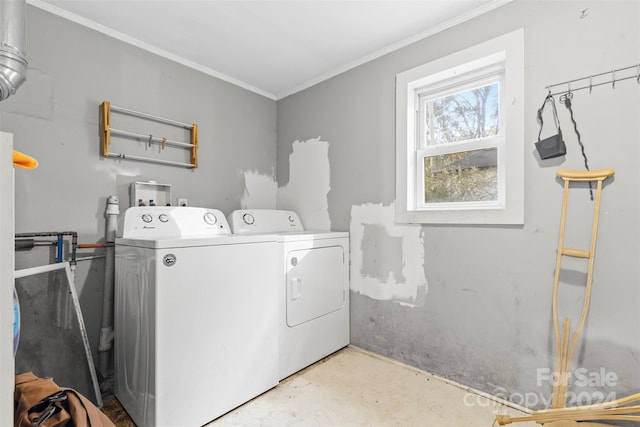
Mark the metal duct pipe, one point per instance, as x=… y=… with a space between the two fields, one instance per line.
x=13 y=62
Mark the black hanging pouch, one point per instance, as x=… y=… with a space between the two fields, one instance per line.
x=552 y=146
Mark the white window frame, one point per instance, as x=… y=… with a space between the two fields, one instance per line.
x=503 y=54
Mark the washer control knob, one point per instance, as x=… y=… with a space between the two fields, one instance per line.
x=248 y=219
x=163 y=217
x=147 y=218
x=210 y=218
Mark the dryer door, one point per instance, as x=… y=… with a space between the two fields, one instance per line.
x=315 y=283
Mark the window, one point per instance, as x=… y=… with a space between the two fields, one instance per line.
x=459 y=143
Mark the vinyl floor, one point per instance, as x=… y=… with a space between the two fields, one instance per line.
x=357 y=388
x=354 y=388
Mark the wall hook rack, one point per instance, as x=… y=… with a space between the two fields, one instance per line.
x=589 y=82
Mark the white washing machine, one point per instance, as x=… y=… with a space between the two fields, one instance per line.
x=313 y=285
x=196 y=314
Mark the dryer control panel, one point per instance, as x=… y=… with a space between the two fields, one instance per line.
x=264 y=221
x=166 y=222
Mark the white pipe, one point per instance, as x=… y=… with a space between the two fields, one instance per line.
x=106 y=331
x=151 y=138
x=150 y=117
x=18 y=274
x=151 y=159
x=89 y=258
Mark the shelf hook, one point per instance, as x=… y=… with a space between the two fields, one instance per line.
x=613 y=79
x=590 y=84
x=567 y=96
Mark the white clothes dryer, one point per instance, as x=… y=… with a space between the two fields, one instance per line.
x=196 y=316
x=313 y=285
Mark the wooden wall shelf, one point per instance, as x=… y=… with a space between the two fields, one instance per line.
x=162 y=142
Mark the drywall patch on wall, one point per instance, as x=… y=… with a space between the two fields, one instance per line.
x=387 y=259
x=309 y=183
x=383 y=260
x=259 y=191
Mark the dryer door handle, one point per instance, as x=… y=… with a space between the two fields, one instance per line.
x=294 y=288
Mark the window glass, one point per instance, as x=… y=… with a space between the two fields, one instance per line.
x=465 y=176
x=469 y=114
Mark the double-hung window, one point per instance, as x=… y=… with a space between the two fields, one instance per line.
x=459 y=137
x=458 y=142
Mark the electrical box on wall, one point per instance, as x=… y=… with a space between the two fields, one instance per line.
x=149 y=193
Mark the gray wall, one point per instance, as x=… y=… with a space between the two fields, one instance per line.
x=54 y=117
x=484 y=317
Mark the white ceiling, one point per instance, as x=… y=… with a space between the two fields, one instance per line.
x=274 y=48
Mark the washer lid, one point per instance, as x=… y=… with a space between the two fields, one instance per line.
x=195 y=241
